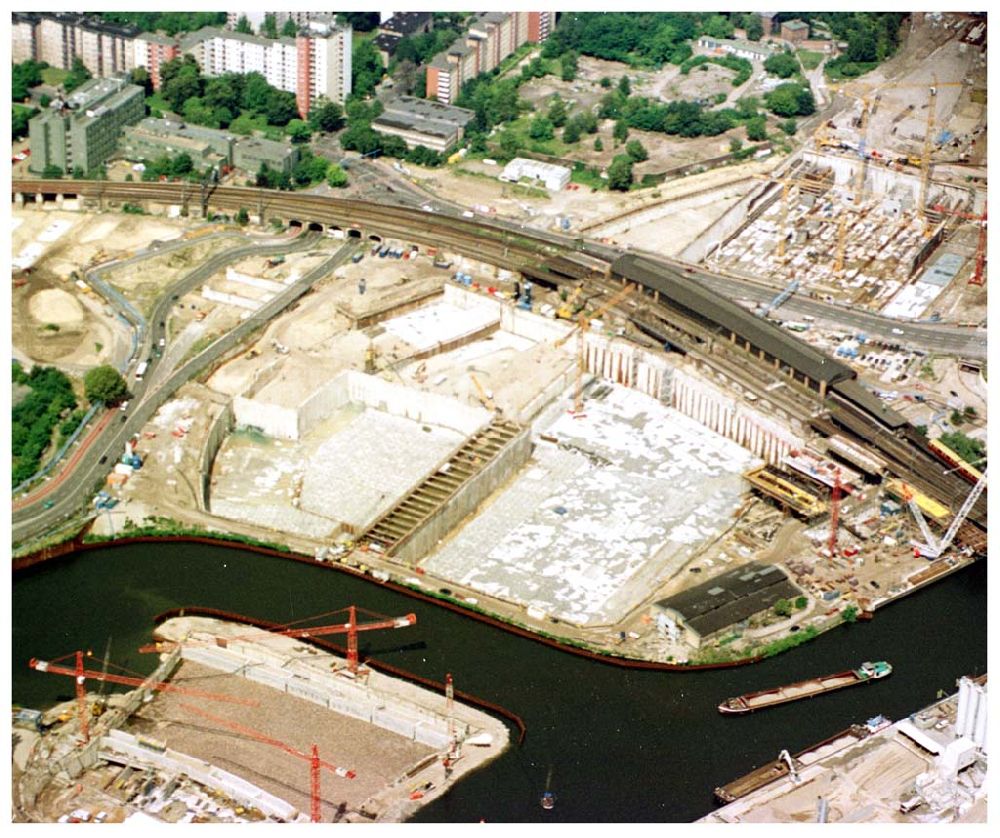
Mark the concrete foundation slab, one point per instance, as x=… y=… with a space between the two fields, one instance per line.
x=628 y=495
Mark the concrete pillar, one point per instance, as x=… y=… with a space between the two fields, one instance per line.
x=19 y=200
x=38 y=198
x=822 y=389
x=962 y=715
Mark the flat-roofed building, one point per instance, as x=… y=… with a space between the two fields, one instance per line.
x=488 y=40
x=422 y=122
x=795 y=30
x=250 y=153
x=741 y=49
x=549 y=175
x=704 y=612
x=153 y=138
x=83 y=132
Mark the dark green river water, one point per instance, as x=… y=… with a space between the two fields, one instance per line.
x=619 y=745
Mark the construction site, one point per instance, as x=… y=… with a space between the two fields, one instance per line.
x=240 y=724
x=694 y=453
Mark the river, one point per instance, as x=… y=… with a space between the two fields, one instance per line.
x=613 y=744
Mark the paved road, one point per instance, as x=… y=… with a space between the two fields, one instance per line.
x=92 y=464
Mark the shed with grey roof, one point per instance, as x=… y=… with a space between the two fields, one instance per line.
x=707 y=610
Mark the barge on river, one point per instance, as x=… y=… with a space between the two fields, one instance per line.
x=749 y=702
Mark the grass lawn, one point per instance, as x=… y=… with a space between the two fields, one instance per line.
x=54 y=76
x=25 y=108
x=810 y=59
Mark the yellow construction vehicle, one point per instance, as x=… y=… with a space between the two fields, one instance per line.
x=568 y=310
x=485 y=397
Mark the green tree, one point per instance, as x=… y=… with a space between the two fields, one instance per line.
x=791 y=99
x=242 y=217
x=782 y=64
x=754 y=26
x=140 y=77
x=366 y=68
x=540 y=129
x=789 y=126
x=606 y=82
x=620 y=173
x=557 y=111
x=862 y=46
x=246 y=123
x=849 y=614
x=289 y=29
x=510 y=145
x=326 y=116
x=19 y=122
x=735 y=144
x=624 y=86
x=756 y=129
x=968 y=448
x=78 y=74
x=568 y=66
x=636 y=151
x=801 y=602
x=181 y=165
x=598 y=144
x=104 y=384
x=184 y=84
x=269 y=28
x=243 y=25
x=718 y=26
x=298 y=130
x=52 y=171
x=571 y=133
x=783 y=608
x=620 y=132
x=336 y=176
x=25 y=75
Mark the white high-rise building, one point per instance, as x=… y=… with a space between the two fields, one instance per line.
x=316 y=63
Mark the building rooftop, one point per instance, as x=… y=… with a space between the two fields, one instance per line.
x=405 y=23
x=795 y=25
x=689 y=294
x=387 y=41
x=172 y=128
x=731 y=597
x=426 y=109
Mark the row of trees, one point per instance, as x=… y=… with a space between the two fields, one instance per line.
x=172 y=23
x=35 y=416
x=217 y=102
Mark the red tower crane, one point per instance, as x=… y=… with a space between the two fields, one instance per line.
x=351 y=628
x=315 y=763
x=81 y=675
x=834 y=514
x=977 y=277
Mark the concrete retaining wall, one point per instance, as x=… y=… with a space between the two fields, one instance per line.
x=350 y=698
x=272 y=419
x=466 y=500
x=233 y=299
x=526 y=324
x=259 y=282
x=730 y=223
x=763 y=436
x=628 y=364
x=221 y=425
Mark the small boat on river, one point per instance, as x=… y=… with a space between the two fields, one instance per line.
x=747 y=703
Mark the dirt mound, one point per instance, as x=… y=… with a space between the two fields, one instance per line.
x=53 y=305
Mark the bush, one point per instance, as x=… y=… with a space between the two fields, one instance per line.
x=782 y=64
x=789 y=126
x=636 y=150
x=783 y=608
x=801 y=602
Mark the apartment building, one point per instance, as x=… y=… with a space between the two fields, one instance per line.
x=59 y=37
x=152 y=51
x=316 y=63
x=488 y=40
x=255 y=18
x=23 y=40
x=83 y=131
x=400 y=25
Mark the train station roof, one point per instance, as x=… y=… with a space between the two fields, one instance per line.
x=687 y=292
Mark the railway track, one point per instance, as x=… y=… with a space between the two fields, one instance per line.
x=537 y=255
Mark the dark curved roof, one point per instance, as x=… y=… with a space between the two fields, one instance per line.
x=685 y=291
